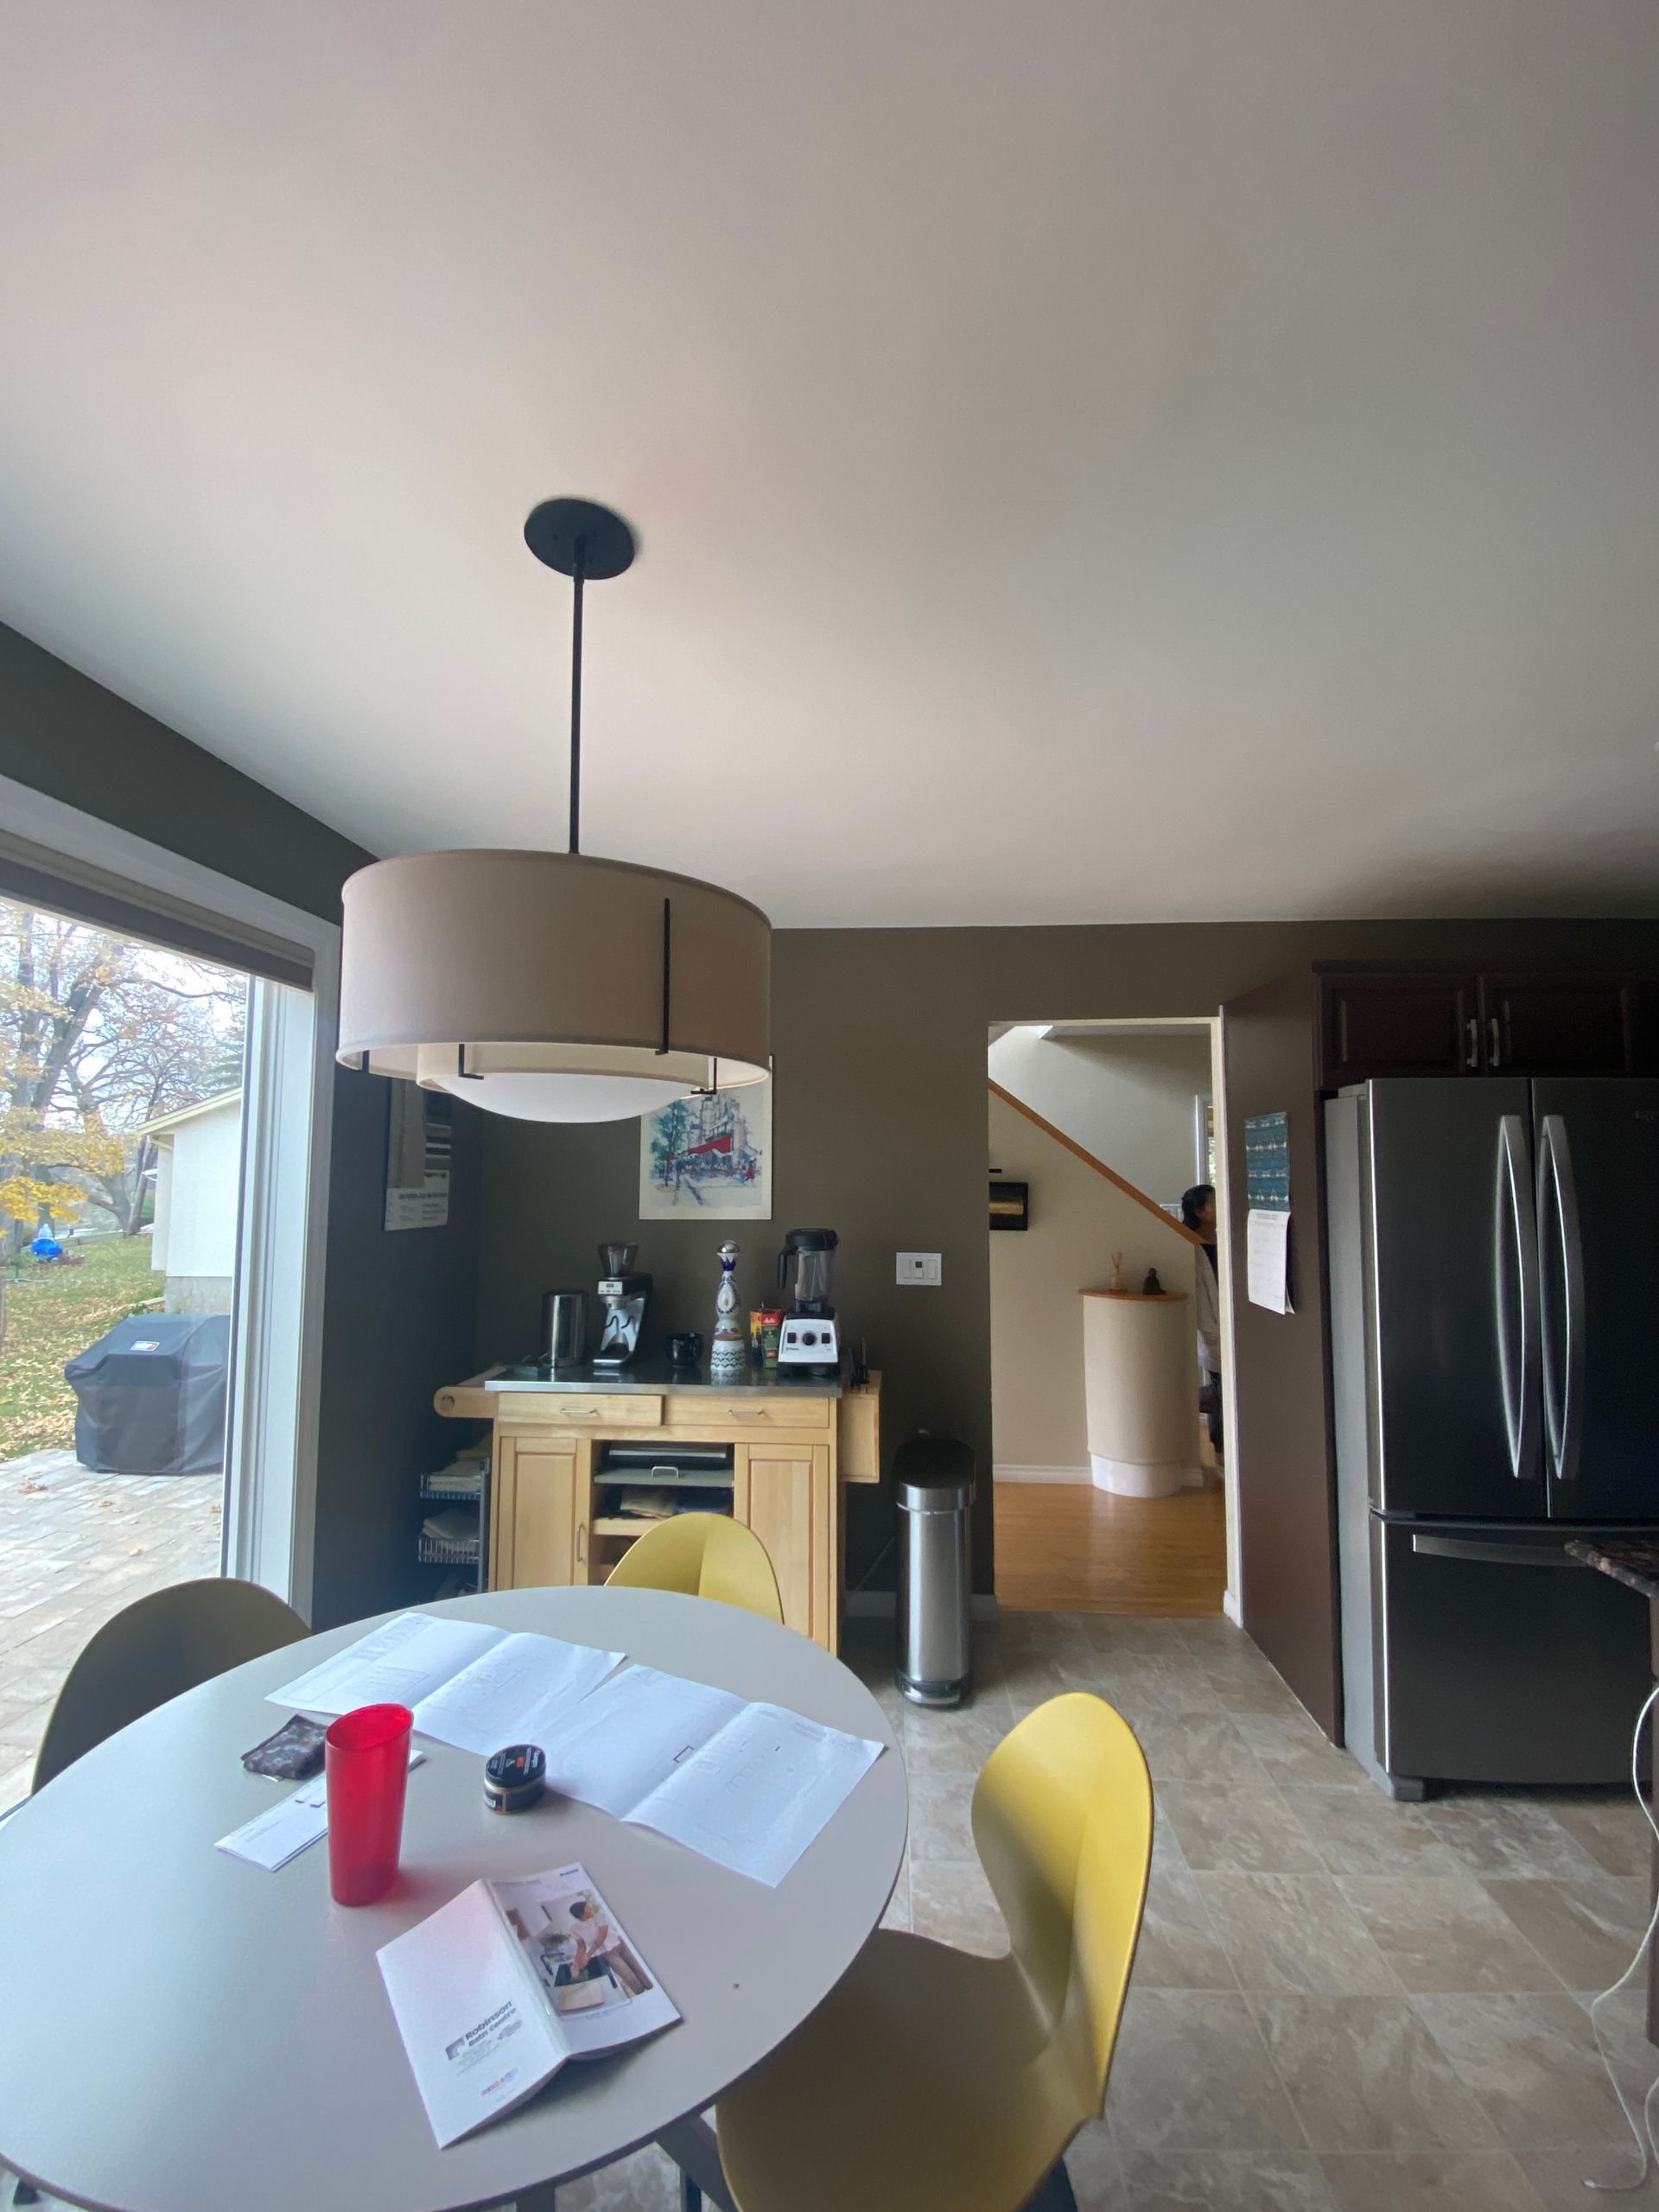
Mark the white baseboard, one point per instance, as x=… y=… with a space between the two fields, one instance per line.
x=1018 y=1474
x=1230 y=1606
x=883 y=1606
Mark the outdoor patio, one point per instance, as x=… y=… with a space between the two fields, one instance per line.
x=74 y=1548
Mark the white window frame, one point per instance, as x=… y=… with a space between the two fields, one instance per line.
x=271 y=1487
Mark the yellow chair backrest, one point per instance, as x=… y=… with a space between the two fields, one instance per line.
x=1063 y=1825
x=703 y=1555
x=155 y=1649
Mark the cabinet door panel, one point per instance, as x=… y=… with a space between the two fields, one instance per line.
x=543 y=1513
x=788 y=1495
x=1397 y=1025
x=1558 y=1025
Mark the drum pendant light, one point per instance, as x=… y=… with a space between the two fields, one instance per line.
x=554 y=986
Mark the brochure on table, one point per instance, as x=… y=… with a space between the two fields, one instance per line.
x=748 y=1786
x=502 y=1985
x=465 y=1683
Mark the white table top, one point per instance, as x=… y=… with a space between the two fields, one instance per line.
x=181 y=2031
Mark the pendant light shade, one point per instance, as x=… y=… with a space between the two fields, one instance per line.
x=555 y=987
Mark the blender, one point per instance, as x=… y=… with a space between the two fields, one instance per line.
x=809 y=1342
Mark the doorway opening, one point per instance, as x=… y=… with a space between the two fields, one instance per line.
x=1110 y=1353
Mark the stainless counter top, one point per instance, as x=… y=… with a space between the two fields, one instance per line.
x=652 y=1377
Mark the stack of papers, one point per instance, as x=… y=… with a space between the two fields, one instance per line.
x=749 y=1786
x=477 y=1688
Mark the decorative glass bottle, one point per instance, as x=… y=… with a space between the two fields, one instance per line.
x=730 y=1354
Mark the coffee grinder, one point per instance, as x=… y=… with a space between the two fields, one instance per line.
x=623 y=1295
x=809 y=1342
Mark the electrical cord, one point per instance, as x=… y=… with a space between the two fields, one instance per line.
x=1646 y=2148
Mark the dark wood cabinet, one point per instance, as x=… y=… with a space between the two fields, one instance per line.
x=1400 y=1023
x=1439 y=1021
x=1557 y=1024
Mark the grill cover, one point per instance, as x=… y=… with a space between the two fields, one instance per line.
x=150 y=1396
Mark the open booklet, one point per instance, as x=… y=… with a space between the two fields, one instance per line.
x=499 y=1986
x=466 y=1684
x=747 y=1785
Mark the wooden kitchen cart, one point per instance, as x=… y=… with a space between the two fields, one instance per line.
x=793 y=1445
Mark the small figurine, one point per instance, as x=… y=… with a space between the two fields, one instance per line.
x=1152 y=1288
x=1117 y=1271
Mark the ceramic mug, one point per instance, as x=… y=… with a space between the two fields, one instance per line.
x=685 y=1349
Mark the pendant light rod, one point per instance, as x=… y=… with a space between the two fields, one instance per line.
x=574 y=839
x=589 y=543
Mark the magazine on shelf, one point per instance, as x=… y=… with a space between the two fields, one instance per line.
x=502 y=1985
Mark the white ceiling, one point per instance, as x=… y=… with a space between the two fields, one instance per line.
x=1096 y=459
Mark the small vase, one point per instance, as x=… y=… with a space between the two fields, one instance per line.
x=729 y=1353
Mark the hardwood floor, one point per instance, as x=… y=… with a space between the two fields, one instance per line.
x=1068 y=1548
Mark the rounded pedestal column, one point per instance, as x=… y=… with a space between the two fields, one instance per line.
x=1136 y=1377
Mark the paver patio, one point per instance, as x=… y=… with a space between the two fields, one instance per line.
x=74 y=1548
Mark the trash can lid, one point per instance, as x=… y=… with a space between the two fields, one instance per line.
x=933 y=1474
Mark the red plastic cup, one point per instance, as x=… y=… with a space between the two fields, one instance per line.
x=365 y=1756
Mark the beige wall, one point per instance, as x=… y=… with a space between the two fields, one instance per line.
x=1078 y=1220
x=879 y=1038
x=1125 y=1096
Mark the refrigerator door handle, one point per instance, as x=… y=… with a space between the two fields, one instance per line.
x=1563 y=1363
x=1515 y=1272
x=1491 y=1554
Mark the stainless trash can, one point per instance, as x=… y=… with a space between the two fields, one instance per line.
x=933 y=1483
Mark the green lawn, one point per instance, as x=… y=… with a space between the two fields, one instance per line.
x=52 y=1313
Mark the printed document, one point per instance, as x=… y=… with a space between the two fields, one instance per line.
x=502 y=1985
x=465 y=1683
x=748 y=1786
x=1266 y=1249
x=281 y=1832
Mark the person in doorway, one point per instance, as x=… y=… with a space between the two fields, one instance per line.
x=1198 y=1213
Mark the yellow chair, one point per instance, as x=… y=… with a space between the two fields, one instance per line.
x=938 y=2082
x=155 y=1649
x=702 y=1555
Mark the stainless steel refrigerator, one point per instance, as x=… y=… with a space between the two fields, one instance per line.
x=1493 y=1251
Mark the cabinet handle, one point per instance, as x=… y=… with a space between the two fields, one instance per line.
x=1493 y=1055
x=1472 y=1029
x=582 y=1543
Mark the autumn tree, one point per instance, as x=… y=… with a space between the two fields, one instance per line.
x=98 y=1035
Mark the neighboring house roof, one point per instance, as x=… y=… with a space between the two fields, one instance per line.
x=164 y=1124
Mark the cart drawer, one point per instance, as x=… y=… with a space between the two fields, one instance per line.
x=753 y=1413
x=581 y=1409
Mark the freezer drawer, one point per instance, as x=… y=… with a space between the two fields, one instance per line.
x=1499 y=1659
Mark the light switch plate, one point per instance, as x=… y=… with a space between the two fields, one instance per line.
x=922 y=1267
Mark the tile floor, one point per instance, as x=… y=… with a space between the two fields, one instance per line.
x=75 y=1547
x=1340 y=2004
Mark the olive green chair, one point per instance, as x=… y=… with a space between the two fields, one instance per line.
x=155 y=1649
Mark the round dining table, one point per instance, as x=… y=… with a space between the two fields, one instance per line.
x=183 y=2032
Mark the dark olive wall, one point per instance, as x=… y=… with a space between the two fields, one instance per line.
x=880 y=1132
x=398 y=1313
x=64 y=734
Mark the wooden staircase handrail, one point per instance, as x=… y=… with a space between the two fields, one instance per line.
x=1089 y=1161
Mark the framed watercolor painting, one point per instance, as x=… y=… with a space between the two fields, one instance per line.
x=709 y=1157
